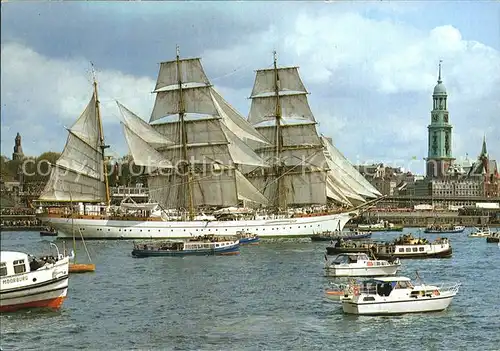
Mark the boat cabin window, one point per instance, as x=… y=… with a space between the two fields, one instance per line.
x=3 y=269
x=408 y=249
x=341 y=259
x=415 y=249
x=19 y=266
x=402 y=285
x=420 y=249
x=401 y=250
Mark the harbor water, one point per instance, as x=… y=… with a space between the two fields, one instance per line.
x=271 y=297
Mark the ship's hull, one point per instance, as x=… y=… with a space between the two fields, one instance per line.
x=219 y=251
x=129 y=229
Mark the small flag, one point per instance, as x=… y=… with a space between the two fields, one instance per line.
x=414 y=158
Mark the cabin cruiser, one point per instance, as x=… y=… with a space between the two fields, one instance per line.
x=483 y=232
x=359 y=265
x=30 y=282
x=398 y=295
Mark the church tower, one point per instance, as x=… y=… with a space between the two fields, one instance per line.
x=439 y=157
x=18 y=149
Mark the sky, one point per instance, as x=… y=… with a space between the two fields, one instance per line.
x=370 y=67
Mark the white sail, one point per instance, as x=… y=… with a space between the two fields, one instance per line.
x=191 y=72
x=234 y=121
x=140 y=127
x=195 y=100
x=293 y=106
x=78 y=174
x=142 y=152
x=288 y=78
x=240 y=152
x=65 y=185
x=247 y=192
x=352 y=177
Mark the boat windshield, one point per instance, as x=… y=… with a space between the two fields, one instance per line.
x=341 y=259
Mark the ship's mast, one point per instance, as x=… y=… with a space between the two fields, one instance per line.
x=186 y=166
x=280 y=201
x=102 y=144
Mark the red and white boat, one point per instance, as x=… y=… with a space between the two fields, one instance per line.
x=30 y=282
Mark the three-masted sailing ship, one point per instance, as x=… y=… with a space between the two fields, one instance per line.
x=201 y=155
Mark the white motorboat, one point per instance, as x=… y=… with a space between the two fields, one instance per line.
x=360 y=265
x=29 y=282
x=397 y=295
x=483 y=232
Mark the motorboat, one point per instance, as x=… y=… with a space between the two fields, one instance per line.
x=247 y=238
x=31 y=282
x=398 y=295
x=336 y=235
x=441 y=229
x=359 y=265
x=493 y=238
x=483 y=232
x=199 y=246
x=48 y=231
x=381 y=226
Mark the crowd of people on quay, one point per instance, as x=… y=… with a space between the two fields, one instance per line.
x=18 y=217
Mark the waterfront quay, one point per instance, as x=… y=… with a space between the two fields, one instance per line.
x=19 y=219
x=403 y=210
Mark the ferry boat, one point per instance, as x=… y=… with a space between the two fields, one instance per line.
x=409 y=247
x=203 y=246
x=329 y=236
x=30 y=282
x=483 y=232
x=398 y=295
x=184 y=179
x=247 y=238
x=440 y=229
x=359 y=265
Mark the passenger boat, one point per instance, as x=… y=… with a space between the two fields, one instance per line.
x=382 y=226
x=247 y=238
x=200 y=246
x=439 y=229
x=48 y=232
x=335 y=235
x=360 y=265
x=483 y=232
x=493 y=238
x=409 y=247
x=30 y=282
x=398 y=295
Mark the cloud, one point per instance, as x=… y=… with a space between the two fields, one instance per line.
x=41 y=96
x=370 y=69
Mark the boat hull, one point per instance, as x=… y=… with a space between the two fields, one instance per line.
x=125 y=229
x=47 y=233
x=453 y=231
x=49 y=294
x=373 y=271
x=343 y=237
x=492 y=239
x=387 y=307
x=249 y=241
x=388 y=229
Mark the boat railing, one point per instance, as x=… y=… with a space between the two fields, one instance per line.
x=448 y=287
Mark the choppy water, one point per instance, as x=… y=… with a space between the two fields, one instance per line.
x=270 y=297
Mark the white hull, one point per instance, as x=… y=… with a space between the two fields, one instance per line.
x=388 y=306
x=372 y=271
x=124 y=229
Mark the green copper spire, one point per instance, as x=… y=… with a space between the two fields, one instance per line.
x=484 y=152
x=439 y=148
